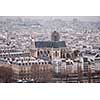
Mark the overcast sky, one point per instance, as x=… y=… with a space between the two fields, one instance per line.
x=67 y=18
x=81 y=18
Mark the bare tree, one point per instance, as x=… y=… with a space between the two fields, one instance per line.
x=41 y=73
x=6 y=74
x=75 y=54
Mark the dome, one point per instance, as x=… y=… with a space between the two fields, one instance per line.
x=55 y=36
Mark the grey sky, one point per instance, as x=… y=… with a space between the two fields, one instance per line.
x=67 y=18
x=81 y=18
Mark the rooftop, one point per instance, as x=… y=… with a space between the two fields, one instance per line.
x=50 y=44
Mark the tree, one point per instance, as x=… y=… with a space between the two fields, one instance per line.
x=68 y=55
x=41 y=73
x=6 y=74
x=75 y=54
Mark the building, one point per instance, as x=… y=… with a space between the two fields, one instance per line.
x=30 y=69
x=51 y=49
x=12 y=53
x=97 y=62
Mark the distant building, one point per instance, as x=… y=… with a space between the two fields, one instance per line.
x=13 y=53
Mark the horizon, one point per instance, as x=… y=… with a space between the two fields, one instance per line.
x=65 y=18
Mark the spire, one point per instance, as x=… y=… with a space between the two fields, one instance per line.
x=32 y=42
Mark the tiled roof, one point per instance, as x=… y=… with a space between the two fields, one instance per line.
x=50 y=44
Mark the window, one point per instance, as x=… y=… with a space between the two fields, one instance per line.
x=85 y=59
x=41 y=52
x=26 y=64
x=39 y=63
x=19 y=64
x=29 y=63
x=23 y=64
x=38 y=53
x=36 y=63
x=42 y=63
x=48 y=51
x=45 y=62
x=56 y=53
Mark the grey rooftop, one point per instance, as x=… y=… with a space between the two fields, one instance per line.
x=50 y=44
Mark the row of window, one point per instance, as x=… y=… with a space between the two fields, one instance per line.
x=7 y=51
x=25 y=59
x=30 y=64
x=41 y=52
x=13 y=55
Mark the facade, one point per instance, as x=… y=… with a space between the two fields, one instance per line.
x=30 y=69
x=97 y=62
x=12 y=53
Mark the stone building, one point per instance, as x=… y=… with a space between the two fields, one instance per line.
x=54 y=48
x=29 y=69
x=97 y=62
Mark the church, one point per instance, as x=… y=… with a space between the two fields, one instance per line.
x=48 y=50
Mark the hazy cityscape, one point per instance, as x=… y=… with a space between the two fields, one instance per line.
x=49 y=49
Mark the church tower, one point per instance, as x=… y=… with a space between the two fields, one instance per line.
x=32 y=43
x=55 y=36
x=32 y=48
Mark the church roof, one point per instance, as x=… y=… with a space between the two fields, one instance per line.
x=50 y=44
